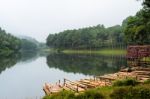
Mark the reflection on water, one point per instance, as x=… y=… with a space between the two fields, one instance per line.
x=9 y=61
x=23 y=75
x=24 y=57
x=86 y=64
x=28 y=56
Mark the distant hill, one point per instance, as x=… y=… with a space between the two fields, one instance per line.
x=30 y=44
x=28 y=38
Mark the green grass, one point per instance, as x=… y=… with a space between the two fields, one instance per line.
x=101 y=52
x=131 y=92
x=89 y=94
x=147 y=81
x=126 y=82
x=106 y=91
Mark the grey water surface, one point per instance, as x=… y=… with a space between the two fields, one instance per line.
x=23 y=75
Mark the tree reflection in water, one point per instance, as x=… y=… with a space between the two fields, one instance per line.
x=11 y=60
x=8 y=61
x=86 y=64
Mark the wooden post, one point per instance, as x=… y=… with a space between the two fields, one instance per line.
x=77 y=88
x=64 y=81
x=59 y=83
x=136 y=77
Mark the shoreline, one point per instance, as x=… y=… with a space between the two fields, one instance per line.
x=106 y=52
x=140 y=74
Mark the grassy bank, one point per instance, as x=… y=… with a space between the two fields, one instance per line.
x=127 y=90
x=101 y=52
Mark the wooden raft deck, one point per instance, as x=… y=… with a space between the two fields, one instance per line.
x=141 y=74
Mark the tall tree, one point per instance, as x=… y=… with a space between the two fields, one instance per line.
x=137 y=30
x=86 y=38
x=8 y=43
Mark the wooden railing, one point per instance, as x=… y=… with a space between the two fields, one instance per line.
x=74 y=86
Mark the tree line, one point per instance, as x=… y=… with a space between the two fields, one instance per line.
x=134 y=30
x=137 y=29
x=85 y=38
x=8 y=43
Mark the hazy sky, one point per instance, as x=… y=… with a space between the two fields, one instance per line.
x=38 y=18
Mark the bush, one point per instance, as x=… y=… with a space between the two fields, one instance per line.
x=119 y=93
x=147 y=81
x=61 y=95
x=90 y=94
x=139 y=92
x=126 y=82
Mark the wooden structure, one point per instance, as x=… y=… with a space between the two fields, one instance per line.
x=136 y=55
x=138 y=51
x=139 y=73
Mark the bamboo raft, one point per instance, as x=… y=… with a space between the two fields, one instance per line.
x=139 y=73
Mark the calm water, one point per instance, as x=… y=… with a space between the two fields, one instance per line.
x=23 y=75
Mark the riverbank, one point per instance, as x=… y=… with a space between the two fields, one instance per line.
x=126 y=91
x=86 y=51
x=125 y=77
x=100 y=52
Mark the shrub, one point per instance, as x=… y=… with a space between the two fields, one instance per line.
x=139 y=92
x=119 y=93
x=61 y=95
x=91 y=94
x=125 y=82
x=147 y=81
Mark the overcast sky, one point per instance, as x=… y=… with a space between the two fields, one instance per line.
x=38 y=18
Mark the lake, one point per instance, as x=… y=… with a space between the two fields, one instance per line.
x=22 y=75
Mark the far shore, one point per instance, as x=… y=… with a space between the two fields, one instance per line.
x=100 y=52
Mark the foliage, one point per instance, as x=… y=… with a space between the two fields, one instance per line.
x=31 y=44
x=137 y=28
x=90 y=94
x=61 y=95
x=28 y=45
x=8 y=43
x=147 y=81
x=138 y=92
x=125 y=82
x=107 y=92
x=87 y=38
